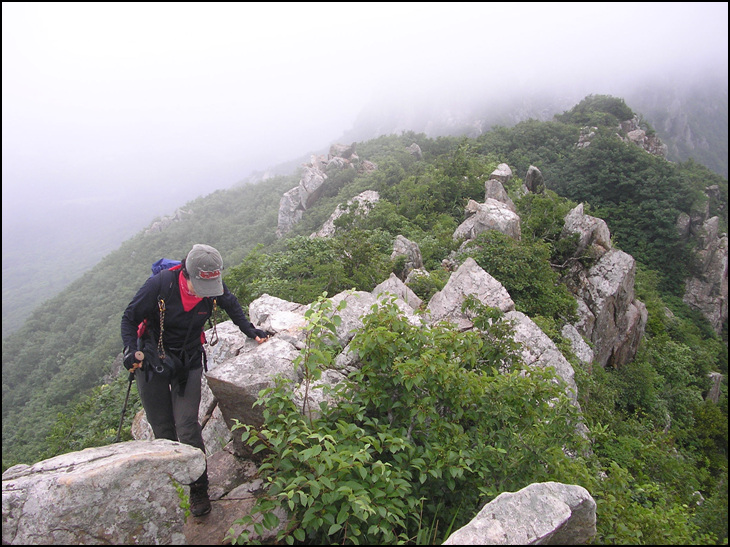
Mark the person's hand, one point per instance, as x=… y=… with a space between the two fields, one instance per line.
x=261 y=336
x=132 y=359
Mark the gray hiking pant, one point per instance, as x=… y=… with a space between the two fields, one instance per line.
x=171 y=415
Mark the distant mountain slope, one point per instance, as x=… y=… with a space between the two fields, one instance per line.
x=691 y=117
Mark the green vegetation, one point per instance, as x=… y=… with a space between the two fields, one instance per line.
x=597 y=110
x=428 y=428
x=415 y=451
x=436 y=423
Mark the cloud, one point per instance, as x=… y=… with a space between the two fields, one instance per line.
x=169 y=101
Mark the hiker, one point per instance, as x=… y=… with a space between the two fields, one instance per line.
x=170 y=387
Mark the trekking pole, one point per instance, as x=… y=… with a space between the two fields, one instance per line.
x=140 y=357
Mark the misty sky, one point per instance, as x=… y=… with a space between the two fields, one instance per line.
x=117 y=104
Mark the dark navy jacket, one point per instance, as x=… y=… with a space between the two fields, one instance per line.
x=177 y=323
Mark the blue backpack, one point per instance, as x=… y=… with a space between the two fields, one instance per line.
x=164 y=264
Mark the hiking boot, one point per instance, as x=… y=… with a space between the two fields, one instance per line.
x=199 y=500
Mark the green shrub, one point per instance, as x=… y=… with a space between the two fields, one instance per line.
x=426 y=431
x=523 y=268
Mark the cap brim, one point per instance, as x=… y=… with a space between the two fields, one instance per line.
x=207 y=287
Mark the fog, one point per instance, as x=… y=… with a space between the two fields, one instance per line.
x=116 y=113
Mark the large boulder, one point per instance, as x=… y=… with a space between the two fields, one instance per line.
x=490 y=215
x=236 y=382
x=493 y=189
x=290 y=211
x=617 y=318
x=395 y=286
x=502 y=173
x=593 y=233
x=402 y=246
x=297 y=200
x=602 y=280
x=548 y=513
x=534 y=181
x=539 y=351
x=120 y=494
x=415 y=151
x=469 y=279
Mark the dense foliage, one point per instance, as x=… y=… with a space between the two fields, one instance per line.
x=597 y=110
x=653 y=435
x=434 y=423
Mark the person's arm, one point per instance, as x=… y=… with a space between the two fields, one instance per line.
x=143 y=305
x=228 y=302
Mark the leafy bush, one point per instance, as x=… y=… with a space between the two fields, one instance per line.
x=310 y=266
x=523 y=268
x=427 y=430
x=543 y=215
x=425 y=286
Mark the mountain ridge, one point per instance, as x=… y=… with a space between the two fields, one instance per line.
x=25 y=287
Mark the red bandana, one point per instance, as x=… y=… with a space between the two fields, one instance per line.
x=189 y=300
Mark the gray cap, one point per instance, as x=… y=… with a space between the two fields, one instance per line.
x=204 y=265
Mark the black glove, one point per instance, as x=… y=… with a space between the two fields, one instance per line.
x=129 y=358
x=260 y=333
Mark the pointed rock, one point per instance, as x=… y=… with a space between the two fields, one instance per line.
x=469 y=279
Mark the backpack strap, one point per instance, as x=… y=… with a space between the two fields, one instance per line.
x=167 y=282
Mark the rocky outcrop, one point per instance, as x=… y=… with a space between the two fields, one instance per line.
x=550 y=513
x=638 y=136
x=415 y=151
x=586 y=136
x=706 y=290
x=594 y=238
x=539 y=351
x=502 y=173
x=629 y=131
x=493 y=189
x=360 y=205
x=580 y=348
x=402 y=246
x=165 y=222
x=602 y=279
x=490 y=215
x=469 y=279
x=394 y=285
x=498 y=212
x=237 y=381
x=716 y=380
x=121 y=494
x=312 y=183
x=294 y=202
x=290 y=211
x=611 y=319
x=534 y=181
